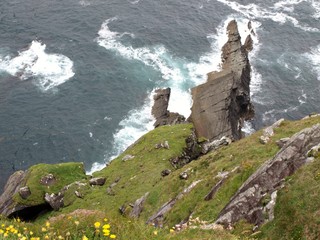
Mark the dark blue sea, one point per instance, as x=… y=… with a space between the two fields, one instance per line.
x=77 y=76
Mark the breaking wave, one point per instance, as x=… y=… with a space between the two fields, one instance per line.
x=47 y=70
x=279 y=12
x=178 y=74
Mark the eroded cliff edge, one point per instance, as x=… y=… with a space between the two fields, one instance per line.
x=222 y=104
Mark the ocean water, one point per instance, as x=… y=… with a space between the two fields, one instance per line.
x=77 y=76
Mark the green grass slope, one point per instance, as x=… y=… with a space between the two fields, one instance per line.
x=297 y=209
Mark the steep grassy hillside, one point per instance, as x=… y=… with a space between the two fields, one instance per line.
x=137 y=172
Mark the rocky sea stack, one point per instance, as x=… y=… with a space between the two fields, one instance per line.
x=222 y=104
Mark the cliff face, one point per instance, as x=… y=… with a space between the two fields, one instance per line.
x=221 y=105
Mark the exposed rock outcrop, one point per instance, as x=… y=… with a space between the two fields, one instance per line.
x=98 y=181
x=160 y=109
x=157 y=218
x=222 y=104
x=247 y=202
x=54 y=200
x=268 y=132
x=138 y=206
x=192 y=151
x=7 y=204
x=28 y=193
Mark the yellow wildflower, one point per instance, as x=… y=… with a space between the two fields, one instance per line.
x=5 y=234
x=76 y=223
x=47 y=224
x=171 y=230
x=85 y=237
x=43 y=229
x=35 y=238
x=2 y=225
x=60 y=237
x=106 y=232
x=23 y=238
x=105 y=219
x=18 y=220
x=113 y=236
x=31 y=233
x=46 y=237
x=19 y=235
x=106 y=226
x=155 y=232
x=97 y=224
x=15 y=231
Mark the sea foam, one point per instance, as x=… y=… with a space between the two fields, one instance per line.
x=46 y=70
x=314 y=59
x=279 y=12
x=177 y=73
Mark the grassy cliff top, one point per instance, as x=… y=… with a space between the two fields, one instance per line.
x=138 y=171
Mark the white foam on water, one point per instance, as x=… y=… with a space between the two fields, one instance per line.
x=275 y=13
x=48 y=70
x=287 y=5
x=175 y=73
x=316 y=6
x=313 y=58
x=303 y=98
x=132 y=127
x=135 y=2
x=248 y=128
x=84 y=3
x=155 y=57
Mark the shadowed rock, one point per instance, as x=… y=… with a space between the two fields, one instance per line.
x=55 y=200
x=222 y=104
x=7 y=204
x=160 y=109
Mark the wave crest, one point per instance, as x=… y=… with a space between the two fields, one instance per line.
x=49 y=70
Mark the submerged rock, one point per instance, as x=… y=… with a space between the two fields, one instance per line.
x=222 y=104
